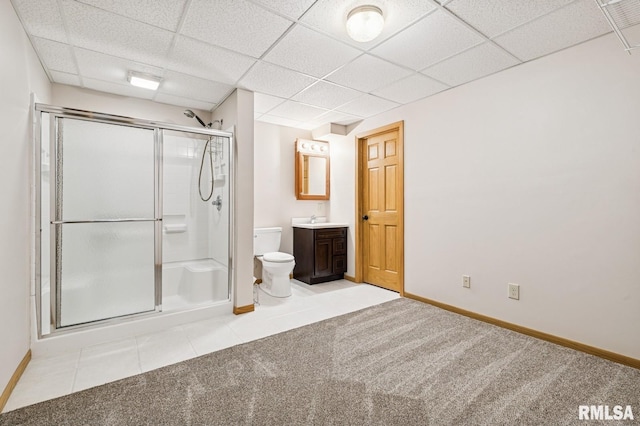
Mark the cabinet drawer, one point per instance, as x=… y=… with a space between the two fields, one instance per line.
x=339 y=245
x=329 y=233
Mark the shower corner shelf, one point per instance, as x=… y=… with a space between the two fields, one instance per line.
x=623 y=16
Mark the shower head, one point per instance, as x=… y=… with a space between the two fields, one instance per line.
x=192 y=114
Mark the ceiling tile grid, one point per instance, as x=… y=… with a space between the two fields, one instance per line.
x=411 y=89
x=292 y=9
x=434 y=38
x=367 y=106
x=326 y=95
x=572 y=24
x=330 y=16
x=64 y=78
x=330 y=117
x=42 y=18
x=196 y=88
x=310 y=52
x=105 y=32
x=263 y=103
x=472 y=64
x=234 y=24
x=199 y=59
x=493 y=17
x=295 y=54
x=99 y=66
x=296 y=111
x=367 y=73
x=56 y=56
x=160 y=13
x=273 y=80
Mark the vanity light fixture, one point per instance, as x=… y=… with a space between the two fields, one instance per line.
x=364 y=23
x=146 y=81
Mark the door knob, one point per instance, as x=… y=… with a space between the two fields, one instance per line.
x=365 y=217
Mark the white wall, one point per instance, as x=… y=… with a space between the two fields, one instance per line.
x=530 y=176
x=91 y=100
x=237 y=112
x=274 y=181
x=20 y=74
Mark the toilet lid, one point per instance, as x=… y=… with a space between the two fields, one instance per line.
x=276 y=256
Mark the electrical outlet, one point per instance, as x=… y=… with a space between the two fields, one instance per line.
x=514 y=291
x=466 y=281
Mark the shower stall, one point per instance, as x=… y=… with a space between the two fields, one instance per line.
x=122 y=231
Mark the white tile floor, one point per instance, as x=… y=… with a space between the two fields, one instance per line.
x=51 y=377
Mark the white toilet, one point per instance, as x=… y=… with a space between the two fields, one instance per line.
x=276 y=266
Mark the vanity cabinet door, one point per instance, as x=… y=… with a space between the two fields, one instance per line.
x=323 y=257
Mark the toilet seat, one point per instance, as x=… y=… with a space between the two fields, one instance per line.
x=277 y=257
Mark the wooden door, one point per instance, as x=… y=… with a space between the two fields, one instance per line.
x=381 y=208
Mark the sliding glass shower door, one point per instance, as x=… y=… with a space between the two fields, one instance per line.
x=105 y=212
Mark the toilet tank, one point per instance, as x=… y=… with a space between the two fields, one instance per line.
x=266 y=240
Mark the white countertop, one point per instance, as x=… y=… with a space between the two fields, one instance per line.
x=320 y=225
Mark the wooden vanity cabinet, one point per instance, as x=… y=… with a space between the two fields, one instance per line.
x=321 y=254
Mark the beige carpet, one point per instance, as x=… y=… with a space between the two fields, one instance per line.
x=399 y=363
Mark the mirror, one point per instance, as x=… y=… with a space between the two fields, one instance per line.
x=312 y=170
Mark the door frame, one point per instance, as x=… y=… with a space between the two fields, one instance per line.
x=361 y=139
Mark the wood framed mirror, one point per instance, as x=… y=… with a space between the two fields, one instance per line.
x=312 y=170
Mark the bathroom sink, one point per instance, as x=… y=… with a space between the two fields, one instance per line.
x=320 y=225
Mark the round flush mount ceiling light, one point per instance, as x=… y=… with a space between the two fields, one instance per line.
x=364 y=23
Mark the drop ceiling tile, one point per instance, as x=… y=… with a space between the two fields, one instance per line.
x=203 y=60
x=434 y=38
x=161 y=13
x=368 y=73
x=98 y=66
x=310 y=52
x=194 y=88
x=64 y=78
x=470 y=65
x=264 y=103
x=290 y=8
x=330 y=117
x=326 y=95
x=55 y=56
x=273 y=80
x=493 y=17
x=280 y=121
x=565 y=27
x=234 y=24
x=329 y=16
x=105 y=32
x=367 y=106
x=411 y=89
x=42 y=18
x=184 y=102
x=118 y=89
x=296 y=111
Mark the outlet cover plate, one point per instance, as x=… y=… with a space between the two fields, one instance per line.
x=514 y=291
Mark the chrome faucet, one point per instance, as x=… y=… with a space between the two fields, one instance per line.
x=313 y=218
